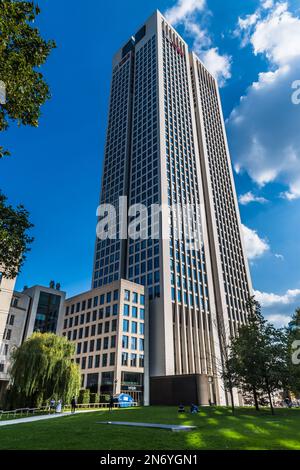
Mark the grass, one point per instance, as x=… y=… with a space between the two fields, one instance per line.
x=216 y=429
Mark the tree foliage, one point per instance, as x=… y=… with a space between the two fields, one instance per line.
x=293 y=352
x=22 y=52
x=14 y=238
x=258 y=356
x=42 y=369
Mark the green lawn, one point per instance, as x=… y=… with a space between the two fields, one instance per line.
x=216 y=429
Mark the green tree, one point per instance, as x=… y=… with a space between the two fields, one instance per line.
x=258 y=355
x=224 y=365
x=42 y=368
x=244 y=357
x=293 y=352
x=14 y=238
x=22 y=52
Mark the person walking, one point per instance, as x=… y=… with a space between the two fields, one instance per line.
x=52 y=405
x=58 y=407
x=73 y=405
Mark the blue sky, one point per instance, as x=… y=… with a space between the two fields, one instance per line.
x=253 y=48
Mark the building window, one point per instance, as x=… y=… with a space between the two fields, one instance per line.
x=134 y=327
x=125 y=342
x=83 y=363
x=142 y=299
x=141 y=361
x=105 y=342
x=90 y=362
x=108 y=297
x=141 y=344
x=98 y=344
x=12 y=320
x=142 y=313
x=113 y=342
x=104 y=360
x=126 y=310
x=133 y=360
x=124 y=359
x=112 y=359
x=134 y=311
x=127 y=295
x=116 y=294
x=106 y=327
x=115 y=309
x=97 y=361
x=133 y=343
x=126 y=326
x=141 y=328
x=114 y=325
x=135 y=297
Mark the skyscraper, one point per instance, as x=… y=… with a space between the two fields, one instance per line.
x=166 y=144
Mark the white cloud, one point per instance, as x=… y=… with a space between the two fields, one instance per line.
x=278 y=35
x=185 y=12
x=267 y=4
x=182 y=9
x=264 y=128
x=249 y=197
x=218 y=65
x=278 y=309
x=279 y=256
x=271 y=300
x=254 y=245
x=278 y=320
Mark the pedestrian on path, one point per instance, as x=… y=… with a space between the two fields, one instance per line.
x=73 y=405
x=111 y=402
x=58 y=407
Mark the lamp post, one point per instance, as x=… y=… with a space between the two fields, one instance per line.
x=210 y=382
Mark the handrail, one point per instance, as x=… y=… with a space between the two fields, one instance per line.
x=47 y=408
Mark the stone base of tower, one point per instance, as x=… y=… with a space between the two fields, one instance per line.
x=173 y=390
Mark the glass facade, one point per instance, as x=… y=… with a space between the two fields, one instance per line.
x=47 y=313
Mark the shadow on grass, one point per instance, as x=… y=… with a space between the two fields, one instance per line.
x=216 y=429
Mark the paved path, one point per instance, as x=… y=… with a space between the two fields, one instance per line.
x=171 y=427
x=40 y=418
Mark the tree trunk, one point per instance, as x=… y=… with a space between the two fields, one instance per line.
x=255 y=399
x=270 y=397
x=232 y=401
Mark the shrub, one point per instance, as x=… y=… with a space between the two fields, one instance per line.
x=104 y=398
x=94 y=398
x=84 y=397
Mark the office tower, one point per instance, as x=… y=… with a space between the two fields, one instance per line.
x=166 y=144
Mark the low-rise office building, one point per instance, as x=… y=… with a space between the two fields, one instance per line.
x=35 y=309
x=108 y=326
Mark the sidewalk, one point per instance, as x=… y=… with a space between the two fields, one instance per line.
x=42 y=417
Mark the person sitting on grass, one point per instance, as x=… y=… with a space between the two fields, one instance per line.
x=194 y=408
x=181 y=409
